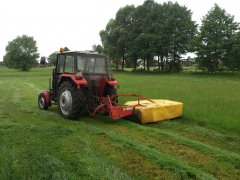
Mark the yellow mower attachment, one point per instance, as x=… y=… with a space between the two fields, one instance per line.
x=157 y=110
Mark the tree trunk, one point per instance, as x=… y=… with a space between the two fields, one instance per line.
x=162 y=63
x=166 y=64
x=135 y=64
x=144 y=64
x=176 y=62
x=117 y=64
x=158 y=63
x=123 y=61
x=174 y=55
x=24 y=67
x=148 y=64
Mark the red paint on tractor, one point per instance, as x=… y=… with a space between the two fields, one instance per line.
x=113 y=108
x=103 y=83
x=47 y=96
x=112 y=82
x=120 y=112
x=75 y=79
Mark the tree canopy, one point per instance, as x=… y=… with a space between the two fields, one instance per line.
x=52 y=58
x=160 y=34
x=21 y=53
x=217 y=40
x=97 y=48
x=149 y=30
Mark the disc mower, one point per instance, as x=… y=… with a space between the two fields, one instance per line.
x=81 y=84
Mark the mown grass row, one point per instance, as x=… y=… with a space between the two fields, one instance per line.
x=38 y=147
x=178 y=165
x=37 y=156
x=53 y=160
x=219 y=153
x=194 y=155
x=127 y=128
x=193 y=131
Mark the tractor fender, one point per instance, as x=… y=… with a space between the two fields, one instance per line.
x=111 y=81
x=72 y=77
x=105 y=81
x=47 y=97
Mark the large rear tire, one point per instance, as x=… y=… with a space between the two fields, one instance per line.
x=70 y=100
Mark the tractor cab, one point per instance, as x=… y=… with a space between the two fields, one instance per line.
x=87 y=62
x=85 y=68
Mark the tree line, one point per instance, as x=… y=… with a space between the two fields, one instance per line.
x=161 y=33
x=153 y=34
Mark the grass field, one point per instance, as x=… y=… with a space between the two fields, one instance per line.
x=203 y=144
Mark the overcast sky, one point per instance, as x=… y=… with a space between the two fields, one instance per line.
x=76 y=24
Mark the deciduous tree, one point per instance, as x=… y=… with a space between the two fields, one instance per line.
x=52 y=58
x=150 y=30
x=21 y=53
x=215 y=39
x=97 y=48
x=232 y=59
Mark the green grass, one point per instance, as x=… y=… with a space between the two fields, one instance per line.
x=204 y=144
x=210 y=100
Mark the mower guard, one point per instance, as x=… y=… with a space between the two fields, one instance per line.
x=148 y=112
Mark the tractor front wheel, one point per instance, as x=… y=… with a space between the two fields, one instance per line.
x=70 y=100
x=42 y=102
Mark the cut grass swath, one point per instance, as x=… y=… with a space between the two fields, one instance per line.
x=214 y=151
x=178 y=165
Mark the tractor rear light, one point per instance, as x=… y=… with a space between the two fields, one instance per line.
x=79 y=75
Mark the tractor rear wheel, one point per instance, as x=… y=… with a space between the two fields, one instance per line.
x=42 y=102
x=70 y=100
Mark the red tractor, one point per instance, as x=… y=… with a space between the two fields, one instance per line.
x=82 y=84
